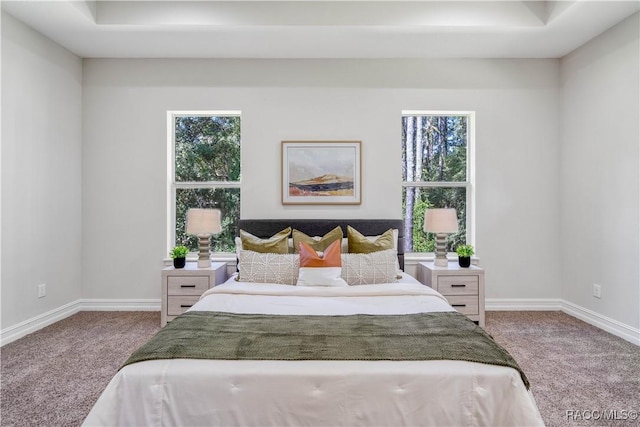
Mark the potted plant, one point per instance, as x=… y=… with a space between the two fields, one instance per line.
x=179 y=255
x=464 y=255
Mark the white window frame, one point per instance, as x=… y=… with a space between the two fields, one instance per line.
x=172 y=185
x=469 y=184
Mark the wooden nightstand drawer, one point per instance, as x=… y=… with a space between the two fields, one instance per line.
x=465 y=304
x=182 y=287
x=463 y=287
x=179 y=304
x=458 y=285
x=187 y=285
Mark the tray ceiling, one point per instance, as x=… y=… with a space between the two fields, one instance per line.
x=321 y=29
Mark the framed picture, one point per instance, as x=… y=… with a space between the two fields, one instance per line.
x=321 y=172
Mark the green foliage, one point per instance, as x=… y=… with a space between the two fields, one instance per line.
x=207 y=151
x=436 y=152
x=179 y=252
x=441 y=152
x=422 y=241
x=225 y=199
x=431 y=198
x=465 y=250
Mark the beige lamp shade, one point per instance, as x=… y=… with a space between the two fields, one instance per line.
x=440 y=221
x=203 y=221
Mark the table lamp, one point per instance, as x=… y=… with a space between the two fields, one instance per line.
x=203 y=223
x=441 y=222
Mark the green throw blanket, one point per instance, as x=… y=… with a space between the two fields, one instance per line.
x=422 y=336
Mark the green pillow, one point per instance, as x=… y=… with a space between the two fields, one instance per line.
x=317 y=245
x=360 y=244
x=276 y=244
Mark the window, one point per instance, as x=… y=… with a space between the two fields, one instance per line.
x=436 y=173
x=204 y=172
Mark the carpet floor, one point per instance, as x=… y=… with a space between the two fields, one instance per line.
x=53 y=376
x=578 y=372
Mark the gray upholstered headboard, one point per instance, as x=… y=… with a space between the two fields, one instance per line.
x=264 y=228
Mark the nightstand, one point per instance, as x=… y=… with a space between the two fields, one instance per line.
x=462 y=287
x=182 y=287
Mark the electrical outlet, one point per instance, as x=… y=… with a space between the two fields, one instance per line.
x=42 y=290
x=596 y=290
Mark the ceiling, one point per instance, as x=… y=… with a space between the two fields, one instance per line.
x=321 y=28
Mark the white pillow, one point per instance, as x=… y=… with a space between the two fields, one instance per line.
x=324 y=276
x=371 y=268
x=268 y=268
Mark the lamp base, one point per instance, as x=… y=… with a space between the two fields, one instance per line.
x=204 y=263
x=441 y=250
x=204 y=255
x=441 y=262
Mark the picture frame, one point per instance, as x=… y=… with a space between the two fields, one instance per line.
x=321 y=173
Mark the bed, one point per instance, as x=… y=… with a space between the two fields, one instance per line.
x=341 y=384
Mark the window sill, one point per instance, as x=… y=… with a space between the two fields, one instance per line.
x=228 y=257
x=409 y=258
x=416 y=257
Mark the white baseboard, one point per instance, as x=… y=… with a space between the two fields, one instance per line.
x=612 y=326
x=15 y=332
x=605 y=323
x=523 y=304
x=120 y=304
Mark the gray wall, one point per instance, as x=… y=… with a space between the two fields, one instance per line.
x=84 y=161
x=125 y=152
x=41 y=173
x=600 y=180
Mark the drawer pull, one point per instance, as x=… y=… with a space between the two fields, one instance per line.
x=187 y=286
x=458 y=285
x=185 y=305
x=458 y=305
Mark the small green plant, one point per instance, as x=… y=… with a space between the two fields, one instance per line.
x=465 y=250
x=179 y=252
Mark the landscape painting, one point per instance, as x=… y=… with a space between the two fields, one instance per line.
x=321 y=172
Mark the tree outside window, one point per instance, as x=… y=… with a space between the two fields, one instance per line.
x=206 y=173
x=436 y=173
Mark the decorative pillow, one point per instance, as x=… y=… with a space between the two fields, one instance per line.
x=268 y=267
x=239 y=247
x=320 y=270
x=276 y=244
x=371 y=268
x=317 y=243
x=360 y=244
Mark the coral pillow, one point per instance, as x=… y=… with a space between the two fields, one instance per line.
x=320 y=270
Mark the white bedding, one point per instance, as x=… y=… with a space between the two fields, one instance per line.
x=316 y=393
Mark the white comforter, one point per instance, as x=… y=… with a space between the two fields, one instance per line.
x=183 y=392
